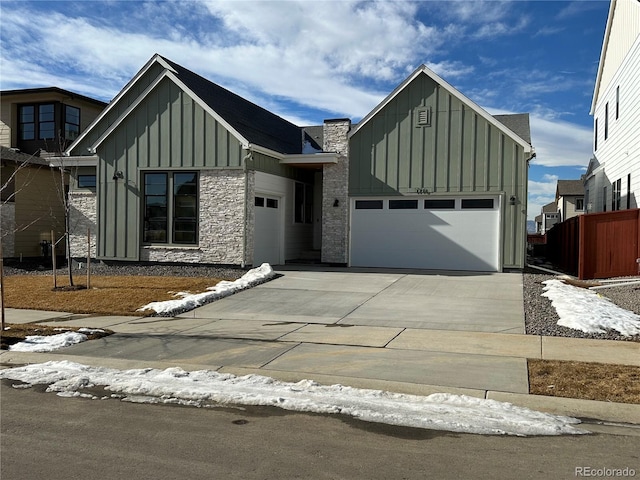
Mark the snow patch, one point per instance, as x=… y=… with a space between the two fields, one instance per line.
x=48 y=343
x=188 y=301
x=585 y=310
x=206 y=388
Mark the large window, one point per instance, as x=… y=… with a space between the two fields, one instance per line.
x=171 y=208
x=71 y=122
x=27 y=122
x=46 y=122
x=38 y=122
x=606 y=121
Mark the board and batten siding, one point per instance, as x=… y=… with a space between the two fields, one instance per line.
x=168 y=130
x=460 y=152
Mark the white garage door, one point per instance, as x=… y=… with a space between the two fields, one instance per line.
x=267 y=239
x=426 y=232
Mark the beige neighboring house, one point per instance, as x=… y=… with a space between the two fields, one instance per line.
x=34 y=125
x=569 y=199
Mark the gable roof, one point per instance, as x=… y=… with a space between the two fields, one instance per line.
x=256 y=124
x=518 y=123
x=569 y=187
x=250 y=124
x=424 y=70
x=550 y=208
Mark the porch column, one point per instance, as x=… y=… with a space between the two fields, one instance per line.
x=335 y=193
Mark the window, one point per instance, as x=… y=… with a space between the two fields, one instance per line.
x=604 y=199
x=368 y=204
x=616 y=194
x=27 y=121
x=606 y=121
x=579 y=204
x=37 y=122
x=46 y=122
x=440 y=204
x=86 y=181
x=628 y=191
x=71 y=122
x=303 y=203
x=272 y=203
x=617 y=101
x=595 y=136
x=477 y=203
x=171 y=208
x=403 y=204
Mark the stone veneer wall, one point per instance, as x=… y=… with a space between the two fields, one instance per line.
x=7 y=229
x=221 y=223
x=335 y=185
x=251 y=216
x=82 y=215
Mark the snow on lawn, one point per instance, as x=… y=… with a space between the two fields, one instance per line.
x=48 y=343
x=189 y=301
x=585 y=310
x=206 y=388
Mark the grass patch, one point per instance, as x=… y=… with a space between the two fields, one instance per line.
x=16 y=332
x=589 y=381
x=108 y=295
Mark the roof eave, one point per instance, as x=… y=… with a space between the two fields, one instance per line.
x=603 y=51
x=155 y=58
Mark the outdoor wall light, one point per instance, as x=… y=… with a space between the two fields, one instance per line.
x=118 y=175
x=512 y=200
x=336 y=203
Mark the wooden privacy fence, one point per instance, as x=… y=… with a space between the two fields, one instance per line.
x=597 y=245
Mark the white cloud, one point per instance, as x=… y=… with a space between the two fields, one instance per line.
x=560 y=143
x=258 y=49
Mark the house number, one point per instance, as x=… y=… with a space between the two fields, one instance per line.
x=422 y=191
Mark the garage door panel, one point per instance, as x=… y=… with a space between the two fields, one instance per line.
x=267 y=231
x=431 y=239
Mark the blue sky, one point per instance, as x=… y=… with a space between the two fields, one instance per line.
x=311 y=60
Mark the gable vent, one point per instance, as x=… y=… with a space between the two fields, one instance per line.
x=423 y=117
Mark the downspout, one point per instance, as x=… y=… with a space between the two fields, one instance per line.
x=245 y=170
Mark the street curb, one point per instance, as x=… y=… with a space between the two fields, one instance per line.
x=573 y=407
x=623 y=413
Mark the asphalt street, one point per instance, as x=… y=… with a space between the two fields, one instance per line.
x=46 y=436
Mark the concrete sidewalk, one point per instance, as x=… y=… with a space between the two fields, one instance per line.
x=369 y=330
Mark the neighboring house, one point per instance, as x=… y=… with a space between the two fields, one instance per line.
x=569 y=199
x=547 y=218
x=179 y=169
x=34 y=124
x=613 y=175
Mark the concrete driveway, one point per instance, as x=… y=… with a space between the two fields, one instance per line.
x=462 y=301
x=412 y=331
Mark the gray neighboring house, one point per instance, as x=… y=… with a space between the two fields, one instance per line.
x=547 y=218
x=179 y=169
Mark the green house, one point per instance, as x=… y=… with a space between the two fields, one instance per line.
x=179 y=169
